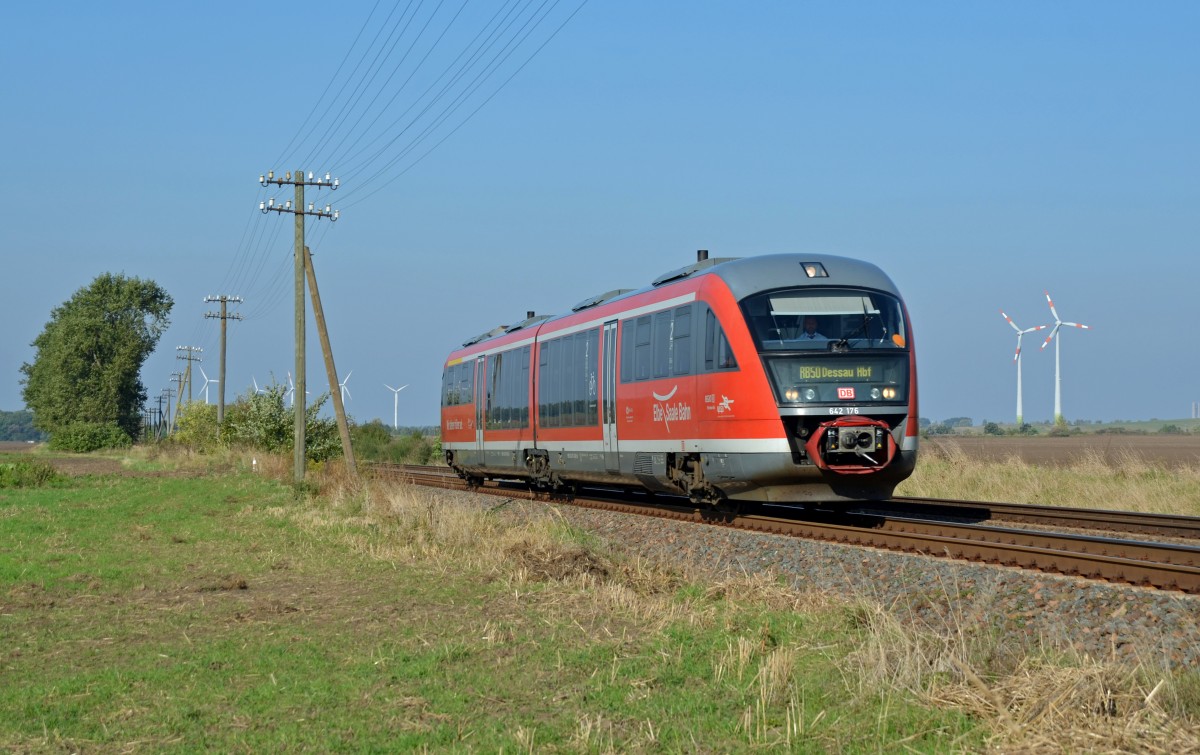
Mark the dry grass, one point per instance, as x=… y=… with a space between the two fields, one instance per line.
x=1131 y=483
x=1067 y=703
x=1037 y=701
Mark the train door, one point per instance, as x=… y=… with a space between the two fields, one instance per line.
x=608 y=371
x=481 y=397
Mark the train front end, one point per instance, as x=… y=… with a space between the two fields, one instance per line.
x=835 y=344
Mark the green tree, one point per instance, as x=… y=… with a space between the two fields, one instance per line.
x=90 y=355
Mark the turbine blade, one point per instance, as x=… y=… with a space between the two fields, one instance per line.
x=1050 y=337
x=1077 y=325
x=1053 y=311
x=1010 y=321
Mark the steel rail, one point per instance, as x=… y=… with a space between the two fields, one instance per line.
x=1107 y=520
x=1160 y=565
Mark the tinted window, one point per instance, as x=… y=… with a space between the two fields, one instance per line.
x=568 y=380
x=681 y=342
x=508 y=389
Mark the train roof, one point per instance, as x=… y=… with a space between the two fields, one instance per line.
x=750 y=275
x=744 y=276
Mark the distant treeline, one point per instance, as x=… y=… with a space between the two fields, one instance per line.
x=19 y=426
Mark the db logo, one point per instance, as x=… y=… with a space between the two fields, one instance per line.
x=845 y=393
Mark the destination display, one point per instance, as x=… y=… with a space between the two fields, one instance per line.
x=824 y=373
x=802 y=379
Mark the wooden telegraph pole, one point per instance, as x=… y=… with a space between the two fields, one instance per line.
x=223 y=315
x=339 y=409
x=298 y=181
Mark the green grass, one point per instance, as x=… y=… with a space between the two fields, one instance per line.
x=216 y=612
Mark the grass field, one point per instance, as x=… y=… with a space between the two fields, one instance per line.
x=1135 y=474
x=176 y=606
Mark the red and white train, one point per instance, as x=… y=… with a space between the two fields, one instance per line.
x=782 y=378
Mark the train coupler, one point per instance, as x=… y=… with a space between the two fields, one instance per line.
x=851 y=445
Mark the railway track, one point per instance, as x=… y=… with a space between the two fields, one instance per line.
x=934 y=527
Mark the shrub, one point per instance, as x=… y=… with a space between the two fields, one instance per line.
x=27 y=474
x=196 y=426
x=374 y=442
x=84 y=437
x=261 y=421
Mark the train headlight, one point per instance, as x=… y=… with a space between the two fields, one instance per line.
x=889 y=392
x=791 y=394
x=810 y=394
x=876 y=393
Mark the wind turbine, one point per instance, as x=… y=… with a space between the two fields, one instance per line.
x=207 y=380
x=1058 y=323
x=1017 y=359
x=343 y=386
x=291 y=392
x=256 y=388
x=395 y=404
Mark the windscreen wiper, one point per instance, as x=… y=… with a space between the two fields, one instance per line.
x=862 y=329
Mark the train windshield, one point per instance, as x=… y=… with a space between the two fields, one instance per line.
x=825 y=319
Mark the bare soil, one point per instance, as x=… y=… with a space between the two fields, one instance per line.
x=1171 y=451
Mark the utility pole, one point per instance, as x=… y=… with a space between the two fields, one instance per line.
x=177 y=394
x=298 y=181
x=339 y=410
x=169 y=392
x=158 y=419
x=223 y=316
x=190 y=354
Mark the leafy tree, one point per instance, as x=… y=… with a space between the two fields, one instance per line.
x=992 y=428
x=90 y=355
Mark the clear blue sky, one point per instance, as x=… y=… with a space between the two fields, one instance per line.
x=979 y=153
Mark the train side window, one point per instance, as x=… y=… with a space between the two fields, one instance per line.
x=508 y=390
x=492 y=377
x=522 y=390
x=717 y=352
x=681 y=342
x=567 y=387
x=592 y=360
x=545 y=388
x=466 y=382
x=661 y=344
x=643 y=354
x=627 y=328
